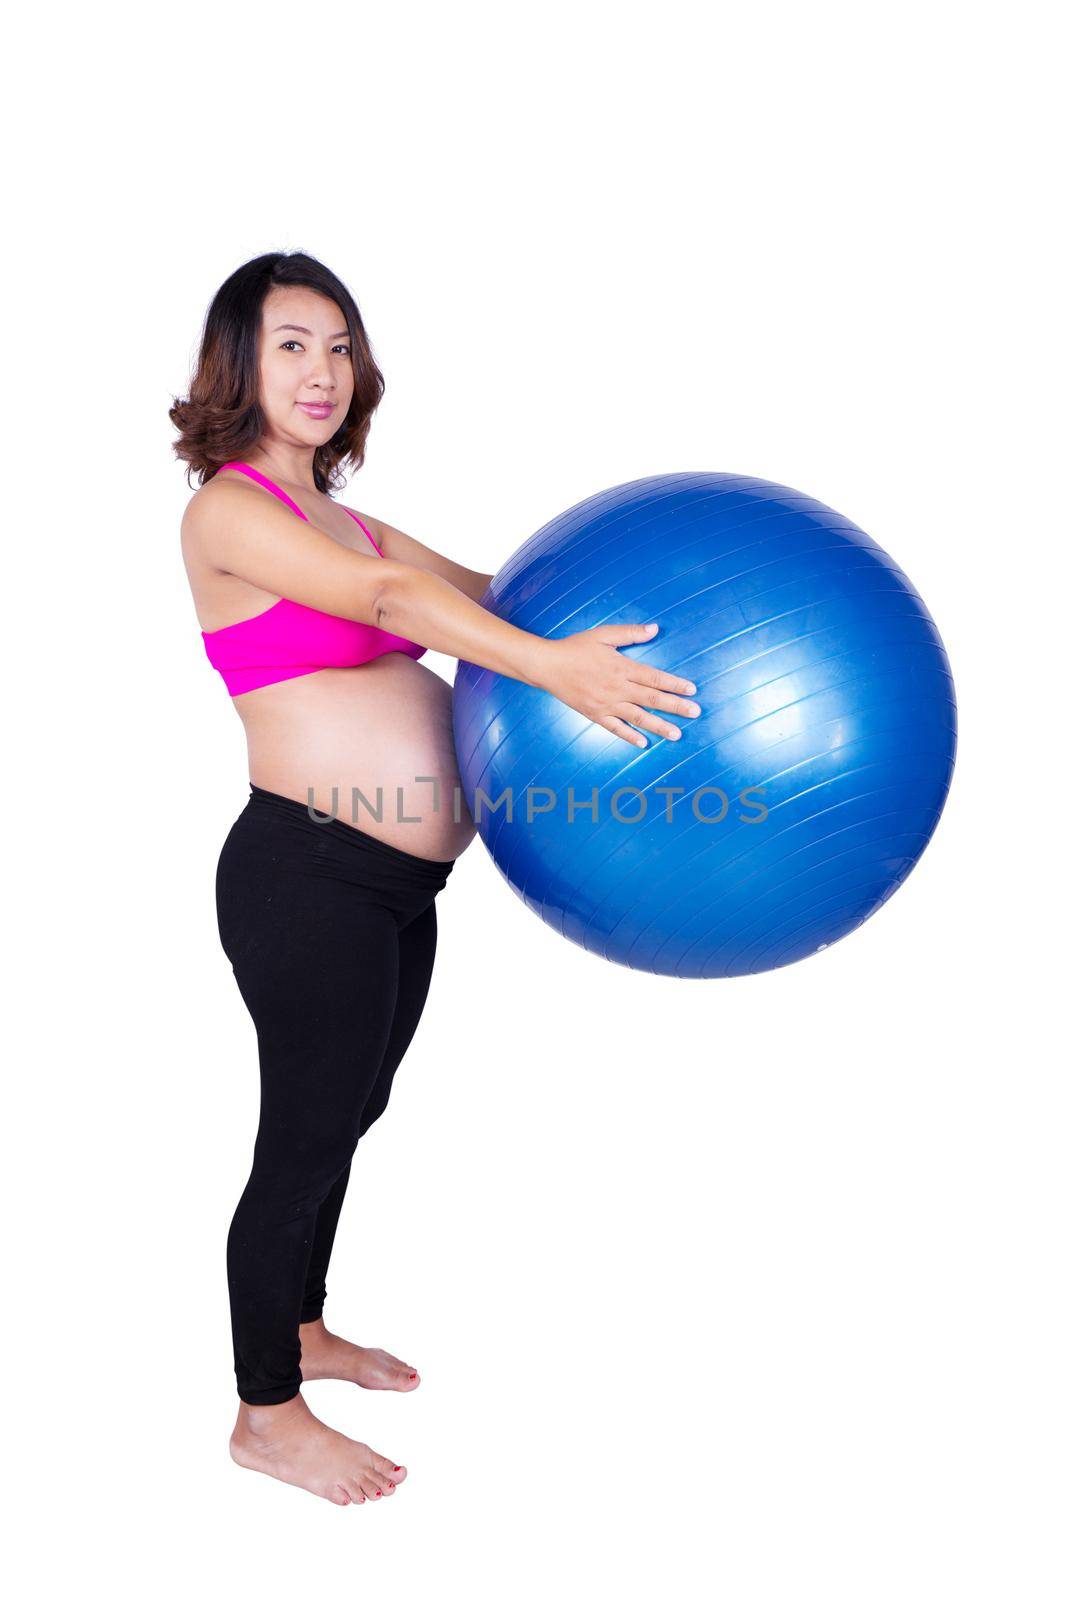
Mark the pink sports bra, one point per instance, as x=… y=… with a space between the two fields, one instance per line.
x=289 y=640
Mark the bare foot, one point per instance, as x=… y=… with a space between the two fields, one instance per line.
x=289 y=1443
x=327 y=1355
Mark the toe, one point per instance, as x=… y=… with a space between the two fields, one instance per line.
x=355 y=1490
x=380 y=1481
x=388 y=1469
x=402 y=1370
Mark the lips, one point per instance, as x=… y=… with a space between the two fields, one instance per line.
x=314 y=408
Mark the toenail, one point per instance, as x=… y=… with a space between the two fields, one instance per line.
x=377 y=1492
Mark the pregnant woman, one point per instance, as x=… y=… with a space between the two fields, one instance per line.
x=327 y=881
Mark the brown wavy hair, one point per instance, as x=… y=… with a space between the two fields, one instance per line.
x=221 y=420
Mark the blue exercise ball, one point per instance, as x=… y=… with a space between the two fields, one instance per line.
x=792 y=807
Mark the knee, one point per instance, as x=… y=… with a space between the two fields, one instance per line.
x=303 y=1172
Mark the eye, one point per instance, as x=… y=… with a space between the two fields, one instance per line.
x=347 y=348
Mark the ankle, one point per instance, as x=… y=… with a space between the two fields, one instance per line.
x=264 y=1419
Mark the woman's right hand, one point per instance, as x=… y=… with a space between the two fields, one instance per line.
x=586 y=671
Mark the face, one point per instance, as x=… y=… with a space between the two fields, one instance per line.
x=305 y=365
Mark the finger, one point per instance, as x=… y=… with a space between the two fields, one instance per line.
x=644 y=719
x=655 y=679
x=657 y=700
x=625 y=632
x=617 y=726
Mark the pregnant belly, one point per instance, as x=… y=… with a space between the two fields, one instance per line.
x=373 y=746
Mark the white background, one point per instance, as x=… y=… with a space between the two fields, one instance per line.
x=748 y=1289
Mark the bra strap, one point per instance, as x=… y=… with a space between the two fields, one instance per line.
x=251 y=472
x=366 y=530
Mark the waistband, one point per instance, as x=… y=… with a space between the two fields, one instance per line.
x=321 y=824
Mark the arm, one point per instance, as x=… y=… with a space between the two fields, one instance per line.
x=584 y=670
x=240 y=531
x=252 y=536
x=402 y=547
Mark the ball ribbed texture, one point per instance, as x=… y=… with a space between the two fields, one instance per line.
x=827 y=700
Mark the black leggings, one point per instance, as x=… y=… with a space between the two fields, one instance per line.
x=331 y=934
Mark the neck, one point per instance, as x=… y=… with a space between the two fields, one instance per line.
x=286 y=463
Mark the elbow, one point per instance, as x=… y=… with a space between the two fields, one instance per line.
x=390 y=595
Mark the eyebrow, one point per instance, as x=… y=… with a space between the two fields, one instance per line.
x=293 y=327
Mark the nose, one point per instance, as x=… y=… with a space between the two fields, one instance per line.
x=317 y=374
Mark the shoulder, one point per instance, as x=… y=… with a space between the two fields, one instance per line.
x=204 y=502
x=202 y=512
